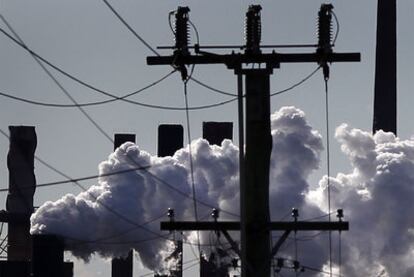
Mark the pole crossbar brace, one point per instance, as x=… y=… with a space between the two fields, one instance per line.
x=236 y=59
x=279 y=243
x=274 y=226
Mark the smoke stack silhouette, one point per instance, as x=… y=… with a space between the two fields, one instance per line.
x=385 y=99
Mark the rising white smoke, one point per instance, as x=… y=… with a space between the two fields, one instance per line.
x=376 y=197
x=104 y=219
x=378 y=200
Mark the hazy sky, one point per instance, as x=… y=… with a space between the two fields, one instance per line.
x=87 y=40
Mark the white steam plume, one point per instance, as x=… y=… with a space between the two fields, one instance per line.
x=378 y=200
x=376 y=197
x=90 y=220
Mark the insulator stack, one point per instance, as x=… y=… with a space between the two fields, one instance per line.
x=182 y=30
x=325 y=28
x=253 y=29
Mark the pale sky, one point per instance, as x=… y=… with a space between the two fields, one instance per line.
x=85 y=39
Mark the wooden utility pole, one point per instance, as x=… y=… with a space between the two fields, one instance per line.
x=255 y=225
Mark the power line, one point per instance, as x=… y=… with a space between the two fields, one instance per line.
x=99 y=128
x=328 y=168
x=101 y=91
x=296 y=84
x=56 y=105
x=119 y=215
x=82 y=178
x=123 y=21
x=123 y=98
x=187 y=113
x=129 y=27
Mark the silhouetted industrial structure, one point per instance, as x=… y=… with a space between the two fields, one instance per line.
x=171 y=139
x=37 y=255
x=216 y=132
x=42 y=255
x=255 y=225
x=22 y=186
x=47 y=257
x=122 y=267
x=385 y=98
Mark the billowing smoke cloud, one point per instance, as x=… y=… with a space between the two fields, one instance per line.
x=376 y=197
x=378 y=200
x=91 y=221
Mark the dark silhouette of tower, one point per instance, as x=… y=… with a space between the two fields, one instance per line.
x=385 y=99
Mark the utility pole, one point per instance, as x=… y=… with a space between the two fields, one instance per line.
x=255 y=225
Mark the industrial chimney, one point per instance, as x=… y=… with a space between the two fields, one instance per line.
x=385 y=99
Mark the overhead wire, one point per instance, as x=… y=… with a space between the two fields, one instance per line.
x=119 y=215
x=129 y=27
x=187 y=108
x=87 y=104
x=124 y=98
x=189 y=139
x=123 y=21
x=309 y=267
x=328 y=168
x=101 y=91
x=97 y=126
x=81 y=178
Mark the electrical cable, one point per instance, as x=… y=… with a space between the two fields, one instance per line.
x=187 y=114
x=337 y=28
x=308 y=267
x=87 y=104
x=328 y=168
x=73 y=180
x=296 y=84
x=123 y=21
x=124 y=98
x=152 y=273
x=81 y=178
x=129 y=27
x=158 y=236
x=20 y=42
x=102 y=239
x=211 y=88
x=83 y=83
x=119 y=215
x=318 y=217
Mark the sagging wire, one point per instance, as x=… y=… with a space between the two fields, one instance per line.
x=324 y=49
x=124 y=98
x=36 y=57
x=182 y=37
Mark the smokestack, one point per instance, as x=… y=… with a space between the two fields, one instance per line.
x=22 y=186
x=216 y=132
x=385 y=99
x=123 y=267
x=47 y=256
x=171 y=139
